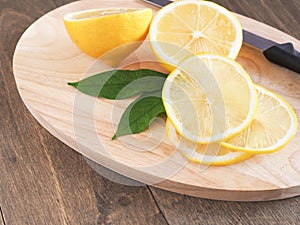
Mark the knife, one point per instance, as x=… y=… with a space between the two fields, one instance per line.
x=284 y=55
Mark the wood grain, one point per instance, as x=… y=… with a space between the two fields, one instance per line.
x=43 y=64
x=2 y=220
x=195 y=210
x=18 y=132
x=118 y=203
x=276 y=13
x=178 y=209
x=42 y=180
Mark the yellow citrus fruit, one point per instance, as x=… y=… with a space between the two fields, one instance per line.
x=209 y=98
x=97 y=31
x=212 y=154
x=274 y=125
x=190 y=27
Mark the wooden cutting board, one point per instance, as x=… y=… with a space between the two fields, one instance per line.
x=45 y=60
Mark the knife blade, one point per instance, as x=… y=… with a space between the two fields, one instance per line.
x=284 y=55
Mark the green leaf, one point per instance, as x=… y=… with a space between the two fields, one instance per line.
x=139 y=114
x=121 y=84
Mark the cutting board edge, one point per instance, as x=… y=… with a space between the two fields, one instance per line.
x=278 y=193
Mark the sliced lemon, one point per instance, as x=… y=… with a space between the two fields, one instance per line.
x=274 y=125
x=212 y=154
x=209 y=98
x=186 y=27
x=97 y=31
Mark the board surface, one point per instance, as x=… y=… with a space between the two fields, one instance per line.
x=46 y=59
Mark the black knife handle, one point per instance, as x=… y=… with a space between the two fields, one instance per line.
x=284 y=55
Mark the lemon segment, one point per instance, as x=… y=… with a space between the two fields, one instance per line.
x=212 y=154
x=190 y=27
x=98 y=31
x=209 y=98
x=274 y=125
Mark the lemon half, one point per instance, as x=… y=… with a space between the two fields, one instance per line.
x=98 y=31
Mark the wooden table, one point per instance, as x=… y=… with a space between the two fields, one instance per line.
x=42 y=181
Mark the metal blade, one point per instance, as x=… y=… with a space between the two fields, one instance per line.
x=257 y=41
x=158 y=3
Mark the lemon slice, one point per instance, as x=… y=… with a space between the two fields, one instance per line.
x=274 y=125
x=212 y=154
x=209 y=98
x=186 y=27
x=97 y=31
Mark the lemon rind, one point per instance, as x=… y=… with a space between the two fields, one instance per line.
x=285 y=140
x=232 y=157
x=187 y=135
x=171 y=63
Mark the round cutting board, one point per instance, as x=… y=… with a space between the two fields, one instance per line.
x=46 y=60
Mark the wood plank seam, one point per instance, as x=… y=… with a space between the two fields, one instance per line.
x=56 y=183
x=157 y=205
x=45 y=107
x=2 y=216
x=55 y=3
